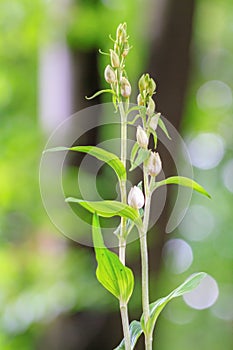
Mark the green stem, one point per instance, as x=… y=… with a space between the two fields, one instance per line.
x=122 y=238
x=125 y=324
x=145 y=260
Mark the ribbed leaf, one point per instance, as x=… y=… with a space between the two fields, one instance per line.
x=163 y=127
x=108 y=208
x=143 y=154
x=110 y=158
x=155 y=308
x=135 y=329
x=183 y=181
x=134 y=153
x=111 y=273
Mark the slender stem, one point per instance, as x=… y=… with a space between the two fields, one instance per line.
x=122 y=240
x=148 y=341
x=145 y=276
x=145 y=260
x=125 y=324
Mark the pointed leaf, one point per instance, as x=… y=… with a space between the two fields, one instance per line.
x=108 y=208
x=164 y=128
x=155 y=308
x=189 y=284
x=110 y=158
x=143 y=154
x=99 y=93
x=135 y=329
x=183 y=181
x=133 y=153
x=111 y=273
x=136 y=108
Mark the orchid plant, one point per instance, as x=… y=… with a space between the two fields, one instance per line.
x=134 y=207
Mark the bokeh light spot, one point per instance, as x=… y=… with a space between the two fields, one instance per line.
x=204 y=295
x=206 y=150
x=214 y=95
x=223 y=307
x=177 y=255
x=227 y=175
x=198 y=223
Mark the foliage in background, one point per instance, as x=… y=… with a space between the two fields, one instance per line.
x=25 y=25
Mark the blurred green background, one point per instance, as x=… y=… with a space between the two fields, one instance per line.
x=49 y=298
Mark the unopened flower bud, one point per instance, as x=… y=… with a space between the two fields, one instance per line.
x=121 y=35
x=151 y=107
x=109 y=75
x=140 y=100
x=115 y=61
x=142 y=83
x=154 y=165
x=154 y=121
x=151 y=87
x=125 y=87
x=136 y=198
x=116 y=47
x=125 y=49
x=142 y=138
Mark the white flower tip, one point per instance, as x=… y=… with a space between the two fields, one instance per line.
x=136 y=198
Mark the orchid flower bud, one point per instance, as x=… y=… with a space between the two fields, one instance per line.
x=140 y=100
x=125 y=87
x=109 y=75
x=125 y=49
x=115 y=61
x=142 y=83
x=136 y=198
x=154 y=121
x=154 y=165
x=142 y=138
x=119 y=29
x=151 y=87
x=151 y=107
x=121 y=35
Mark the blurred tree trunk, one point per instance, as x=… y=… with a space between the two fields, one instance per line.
x=169 y=63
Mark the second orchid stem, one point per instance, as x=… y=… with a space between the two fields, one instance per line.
x=145 y=260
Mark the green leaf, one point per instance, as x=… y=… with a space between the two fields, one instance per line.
x=111 y=273
x=132 y=122
x=155 y=308
x=183 y=181
x=99 y=93
x=136 y=108
x=134 y=153
x=108 y=209
x=164 y=128
x=143 y=154
x=189 y=284
x=56 y=149
x=153 y=132
x=135 y=329
x=110 y=158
